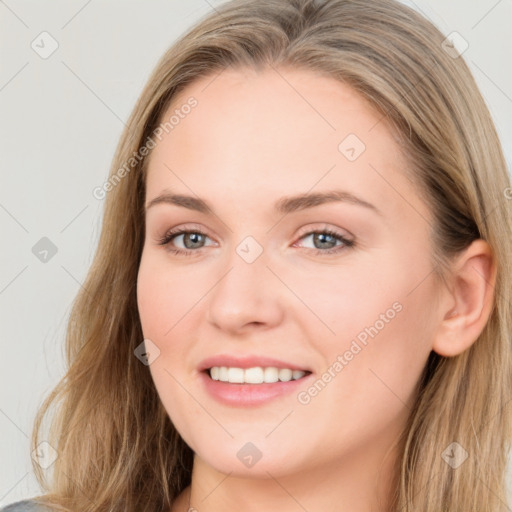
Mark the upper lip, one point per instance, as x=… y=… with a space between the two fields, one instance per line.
x=248 y=361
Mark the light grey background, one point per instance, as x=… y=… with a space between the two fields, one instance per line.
x=61 y=118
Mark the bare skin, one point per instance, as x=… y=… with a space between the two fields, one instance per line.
x=253 y=138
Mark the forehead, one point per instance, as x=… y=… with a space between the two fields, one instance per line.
x=277 y=130
x=270 y=95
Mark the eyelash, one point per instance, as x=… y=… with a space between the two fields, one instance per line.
x=165 y=240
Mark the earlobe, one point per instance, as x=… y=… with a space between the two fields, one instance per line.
x=470 y=300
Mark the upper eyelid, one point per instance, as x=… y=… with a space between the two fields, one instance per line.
x=302 y=232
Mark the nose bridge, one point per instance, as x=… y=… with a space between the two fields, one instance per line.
x=247 y=290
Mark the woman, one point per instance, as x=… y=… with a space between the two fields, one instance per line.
x=261 y=369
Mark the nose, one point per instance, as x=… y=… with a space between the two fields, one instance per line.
x=248 y=294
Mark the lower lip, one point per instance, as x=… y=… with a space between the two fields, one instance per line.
x=243 y=395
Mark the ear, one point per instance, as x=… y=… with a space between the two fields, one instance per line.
x=469 y=300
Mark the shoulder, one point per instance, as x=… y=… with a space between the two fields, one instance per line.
x=25 y=506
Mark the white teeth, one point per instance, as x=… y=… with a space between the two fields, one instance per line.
x=236 y=375
x=255 y=375
x=285 y=375
x=271 y=374
x=223 y=374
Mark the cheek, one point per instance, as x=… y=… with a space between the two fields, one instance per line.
x=149 y=295
x=160 y=309
x=162 y=299
x=376 y=362
x=381 y=335
x=345 y=300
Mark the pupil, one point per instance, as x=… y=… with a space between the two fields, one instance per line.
x=194 y=235
x=323 y=236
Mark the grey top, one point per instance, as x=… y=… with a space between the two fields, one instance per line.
x=25 y=506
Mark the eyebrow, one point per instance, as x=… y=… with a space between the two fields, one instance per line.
x=284 y=205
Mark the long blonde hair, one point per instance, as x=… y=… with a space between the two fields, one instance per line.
x=117 y=448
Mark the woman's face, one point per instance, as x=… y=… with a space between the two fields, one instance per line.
x=355 y=306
